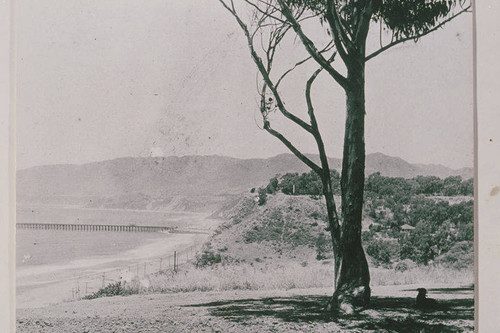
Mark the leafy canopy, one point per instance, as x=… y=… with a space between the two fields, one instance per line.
x=405 y=18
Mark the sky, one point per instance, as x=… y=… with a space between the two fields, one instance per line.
x=104 y=79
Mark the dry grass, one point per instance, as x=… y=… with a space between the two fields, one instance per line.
x=268 y=276
x=422 y=275
x=242 y=277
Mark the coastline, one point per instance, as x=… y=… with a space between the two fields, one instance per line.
x=54 y=282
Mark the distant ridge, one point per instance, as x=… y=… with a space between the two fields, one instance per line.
x=190 y=175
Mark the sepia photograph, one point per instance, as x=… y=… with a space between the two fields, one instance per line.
x=245 y=166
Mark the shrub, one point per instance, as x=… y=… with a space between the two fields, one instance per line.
x=404 y=265
x=207 y=257
x=272 y=187
x=262 y=196
x=112 y=289
x=316 y=215
x=304 y=184
x=382 y=251
x=460 y=256
x=323 y=247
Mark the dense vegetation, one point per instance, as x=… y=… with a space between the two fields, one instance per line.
x=412 y=221
x=398 y=187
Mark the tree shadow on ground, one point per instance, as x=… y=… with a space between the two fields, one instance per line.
x=387 y=314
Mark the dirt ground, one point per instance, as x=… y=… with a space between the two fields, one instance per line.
x=391 y=310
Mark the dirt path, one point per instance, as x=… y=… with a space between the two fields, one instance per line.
x=252 y=311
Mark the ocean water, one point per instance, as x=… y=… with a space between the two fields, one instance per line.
x=44 y=247
x=49 y=261
x=47 y=247
x=78 y=215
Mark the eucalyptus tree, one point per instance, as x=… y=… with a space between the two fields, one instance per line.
x=265 y=24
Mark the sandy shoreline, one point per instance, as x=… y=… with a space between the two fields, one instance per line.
x=41 y=285
x=49 y=284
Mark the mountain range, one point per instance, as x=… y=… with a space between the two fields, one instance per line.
x=190 y=175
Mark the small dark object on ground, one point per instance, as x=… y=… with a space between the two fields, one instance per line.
x=425 y=303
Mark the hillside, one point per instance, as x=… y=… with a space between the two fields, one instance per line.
x=293 y=227
x=286 y=227
x=170 y=177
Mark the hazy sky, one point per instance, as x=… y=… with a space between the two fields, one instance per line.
x=104 y=79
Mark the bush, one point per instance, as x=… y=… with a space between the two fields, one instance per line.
x=382 y=251
x=272 y=187
x=305 y=184
x=207 y=257
x=323 y=247
x=112 y=289
x=262 y=196
x=460 y=256
x=404 y=265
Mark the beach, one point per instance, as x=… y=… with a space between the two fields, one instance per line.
x=55 y=266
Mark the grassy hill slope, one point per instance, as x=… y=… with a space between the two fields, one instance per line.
x=285 y=227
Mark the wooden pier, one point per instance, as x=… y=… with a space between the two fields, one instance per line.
x=97 y=227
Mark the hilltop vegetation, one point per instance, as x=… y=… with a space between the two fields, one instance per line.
x=285 y=227
x=407 y=222
x=398 y=188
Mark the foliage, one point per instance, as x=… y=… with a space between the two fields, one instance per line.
x=460 y=256
x=323 y=247
x=280 y=229
x=394 y=202
x=112 y=289
x=383 y=251
x=404 y=265
x=304 y=184
x=262 y=196
x=405 y=19
x=438 y=224
x=401 y=189
x=429 y=240
x=426 y=185
x=272 y=187
x=208 y=257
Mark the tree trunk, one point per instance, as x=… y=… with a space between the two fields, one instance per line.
x=333 y=223
x=353 y=285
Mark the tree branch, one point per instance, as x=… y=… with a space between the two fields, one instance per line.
x=311 y=48
x=363 y=26
x=327 y=48
x=264 y=12
x=332 y=21
x=292 y=148
x=265 y=74
x=334 y=225
x=402 y=40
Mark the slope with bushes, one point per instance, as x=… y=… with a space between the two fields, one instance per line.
x=285 y=227
x=406 y=222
